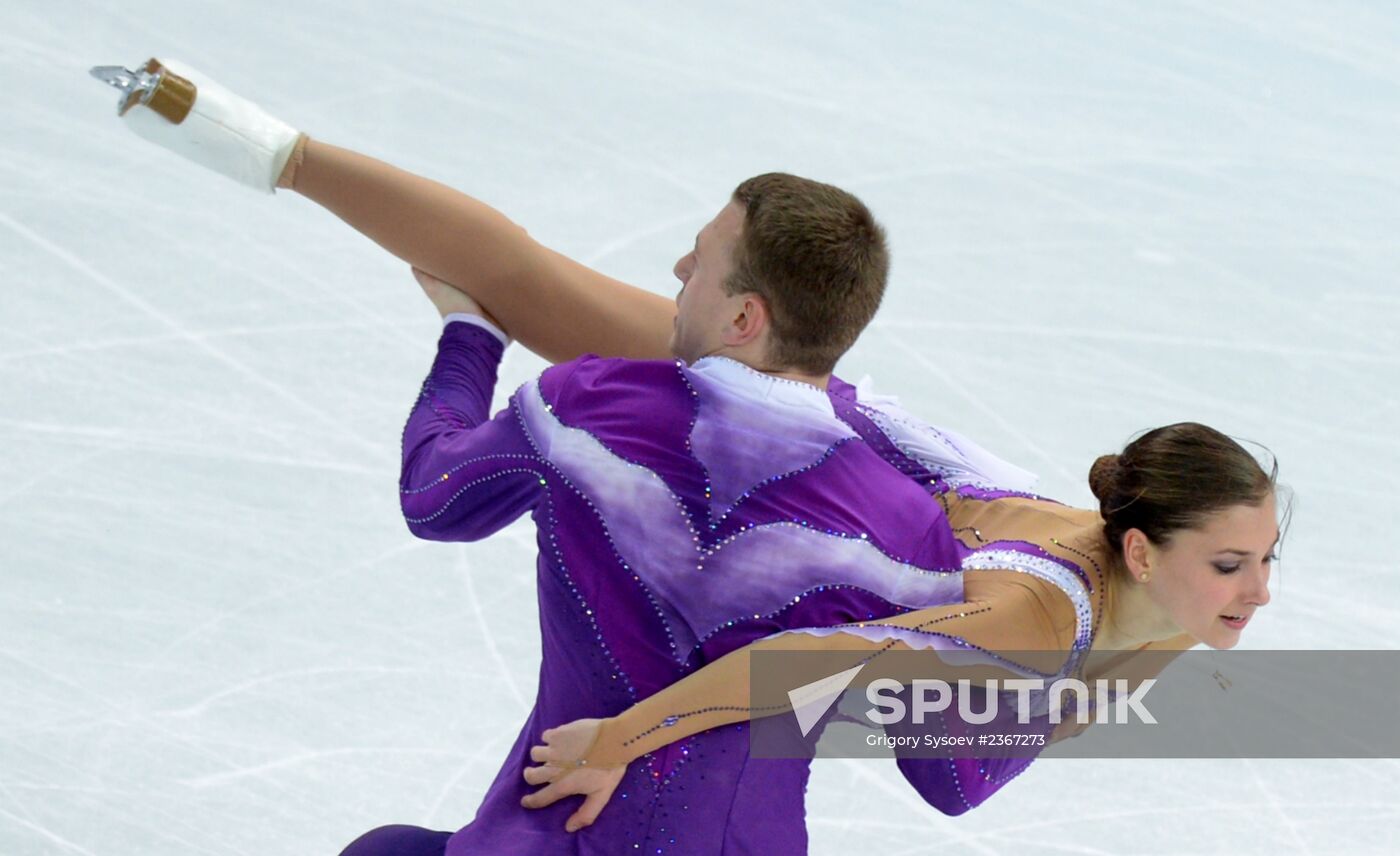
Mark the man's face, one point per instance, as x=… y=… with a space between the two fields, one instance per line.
x=703 y=310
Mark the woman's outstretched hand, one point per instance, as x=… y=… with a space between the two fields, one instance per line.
x=559 y=770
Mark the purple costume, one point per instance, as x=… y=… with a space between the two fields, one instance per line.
x=682 y=512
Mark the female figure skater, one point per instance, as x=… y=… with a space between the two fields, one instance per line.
x=1178 y=553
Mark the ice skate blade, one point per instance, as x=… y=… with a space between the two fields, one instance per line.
x=168 y=94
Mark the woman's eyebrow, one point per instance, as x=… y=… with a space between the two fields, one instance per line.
x=1238 y=552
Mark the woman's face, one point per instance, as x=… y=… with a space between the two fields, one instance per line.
x=1211 y=580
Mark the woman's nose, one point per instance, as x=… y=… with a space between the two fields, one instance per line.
x=1259 y=594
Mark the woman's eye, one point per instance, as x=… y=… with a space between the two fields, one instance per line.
x=1270 y=559
x=1227 y=569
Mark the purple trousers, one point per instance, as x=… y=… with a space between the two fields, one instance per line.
x=398 y=841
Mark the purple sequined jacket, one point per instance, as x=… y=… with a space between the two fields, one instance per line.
x=682 y=512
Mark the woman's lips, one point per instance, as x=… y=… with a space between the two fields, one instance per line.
x=1237 y=621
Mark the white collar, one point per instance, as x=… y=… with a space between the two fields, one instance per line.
x=761 y=387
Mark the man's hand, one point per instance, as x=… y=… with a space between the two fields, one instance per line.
x=449 y=299
x=559 y=770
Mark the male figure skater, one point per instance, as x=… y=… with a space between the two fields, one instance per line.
x=684 y=508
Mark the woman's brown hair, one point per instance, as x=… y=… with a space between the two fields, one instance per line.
x=1174 y=478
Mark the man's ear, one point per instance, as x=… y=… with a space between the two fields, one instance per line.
x=750 y=323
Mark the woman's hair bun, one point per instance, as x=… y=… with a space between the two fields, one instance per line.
x=1104 y=476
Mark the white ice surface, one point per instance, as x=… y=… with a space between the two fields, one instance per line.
x=216 y=634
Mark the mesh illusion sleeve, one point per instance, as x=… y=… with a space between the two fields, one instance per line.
x=1005 y=612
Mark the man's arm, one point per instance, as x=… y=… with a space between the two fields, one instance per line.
x=465 y=475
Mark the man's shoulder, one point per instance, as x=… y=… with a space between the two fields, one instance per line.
x=615 y=375
x=595 y=391
x=640 y=410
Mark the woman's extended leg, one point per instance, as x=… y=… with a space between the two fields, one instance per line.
x=553 y=305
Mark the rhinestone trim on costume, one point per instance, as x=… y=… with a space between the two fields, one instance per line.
x=1047 y=570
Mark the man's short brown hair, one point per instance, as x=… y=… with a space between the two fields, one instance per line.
x=816 y=256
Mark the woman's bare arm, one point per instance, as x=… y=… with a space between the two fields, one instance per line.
x=553 y=305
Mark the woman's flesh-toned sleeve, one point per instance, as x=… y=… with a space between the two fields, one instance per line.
x=1027 y=620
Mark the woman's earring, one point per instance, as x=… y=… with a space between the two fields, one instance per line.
x=1145 y=576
